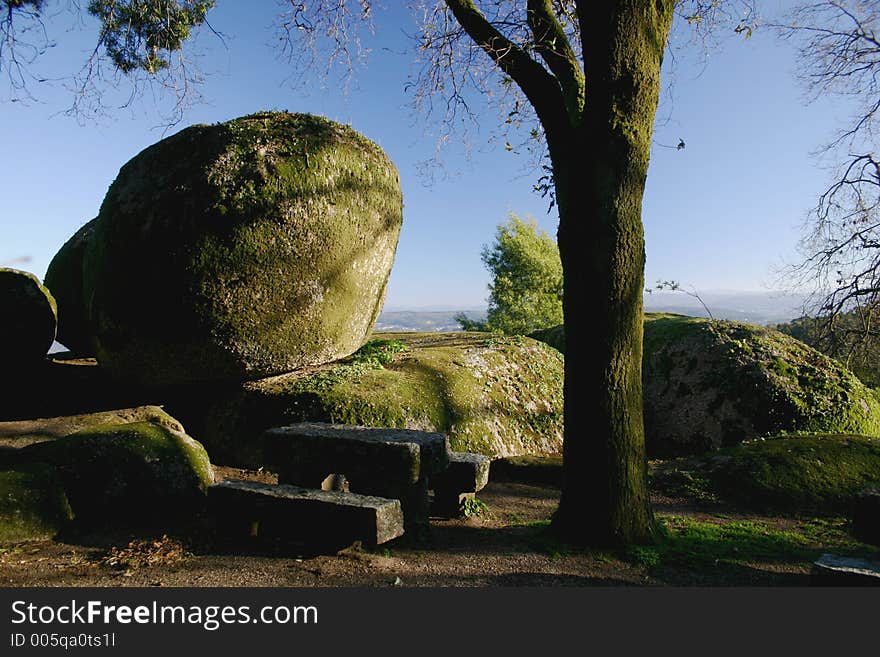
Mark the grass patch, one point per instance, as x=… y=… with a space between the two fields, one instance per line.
x=682 y=479
x=378 y=352
x=697 y=543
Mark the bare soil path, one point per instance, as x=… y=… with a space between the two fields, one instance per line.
x=505 y=545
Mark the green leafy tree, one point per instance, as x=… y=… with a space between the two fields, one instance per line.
x=526 y=289
x=140 y=42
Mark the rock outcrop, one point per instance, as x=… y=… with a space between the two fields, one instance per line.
x=492 y=395
x=241 y=250
x=29 y=318
x=64 y=278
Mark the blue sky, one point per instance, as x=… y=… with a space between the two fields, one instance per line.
x=721 y=214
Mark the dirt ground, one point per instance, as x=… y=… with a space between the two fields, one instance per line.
x=505 y=545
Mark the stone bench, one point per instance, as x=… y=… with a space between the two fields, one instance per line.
x=392 y=463
x=832 y=570
x=466 y=474
x=239 y=509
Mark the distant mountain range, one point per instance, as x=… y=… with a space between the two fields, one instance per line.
x=440 y=321
x=762 y=308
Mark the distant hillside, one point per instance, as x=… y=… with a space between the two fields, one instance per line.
x=762 y=308
x=430 y=320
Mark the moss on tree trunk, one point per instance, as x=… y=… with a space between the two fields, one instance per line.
x=600 y=166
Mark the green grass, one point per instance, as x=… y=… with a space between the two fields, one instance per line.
x=378 y=352
x=692 y=543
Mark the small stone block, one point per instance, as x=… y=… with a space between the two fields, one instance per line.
x=310 y=516
x=467 y=473
x=866 y=516
x=832 y=570
x=370 y=458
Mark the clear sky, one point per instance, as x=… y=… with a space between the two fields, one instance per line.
x=720 y=214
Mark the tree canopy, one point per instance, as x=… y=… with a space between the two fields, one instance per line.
x=526 y=288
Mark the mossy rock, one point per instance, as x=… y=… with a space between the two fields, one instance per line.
x=493 y=396
x=554 y=336
x=800 y=473
x=239 y=250
x=128 y=474
x=710 y=384
x=33 y=504
x=64 y=278
x=29 y=318
x=21 y=433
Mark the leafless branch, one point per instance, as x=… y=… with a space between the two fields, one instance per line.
x=839 y=53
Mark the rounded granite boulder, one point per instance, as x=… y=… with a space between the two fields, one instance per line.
x=64 y=278
x=240 y=250
x=710 y=384
x=29 y=317
x=498 y=396
x=128 y=474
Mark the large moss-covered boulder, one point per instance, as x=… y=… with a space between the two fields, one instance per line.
x=28 y=313
x=493 y=396
x=64 y=278
x=128 y=474
x=33 y=504
x=239 y=250
x=801 y=473
x=709 y=384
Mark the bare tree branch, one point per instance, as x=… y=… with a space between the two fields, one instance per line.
x=140 y=50
x=23 y=39
x=839 y=53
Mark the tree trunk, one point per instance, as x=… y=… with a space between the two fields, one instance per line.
x=600 y=167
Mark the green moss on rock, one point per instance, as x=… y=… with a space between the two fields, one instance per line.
x=20 y=433
x=240 y=250
x=553 y=336
x=128 y=474
x=493 y=396
x=803 y=473
x=64 y=278
x=33 y=504
x=29 y=318
x=709 y=384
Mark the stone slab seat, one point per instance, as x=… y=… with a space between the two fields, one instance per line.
x=467 y=473
x=241 y=508
x=833 y=570
x=398 y=456
x=393 y=463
